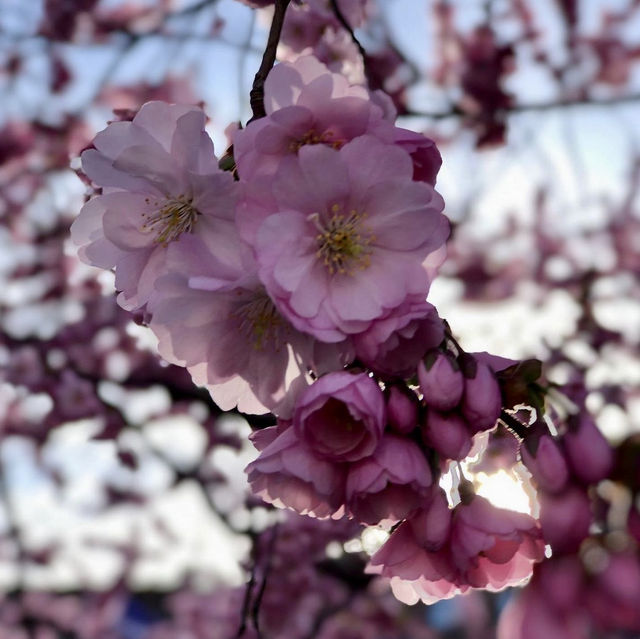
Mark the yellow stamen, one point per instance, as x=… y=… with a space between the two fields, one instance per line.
x=343 y=242
x=311 y=137
x=171 y=219
x=260 y=321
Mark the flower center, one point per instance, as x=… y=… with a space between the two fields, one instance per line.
x=171 y=220
x=260 y=321
x=311 y=137
x=343 y=242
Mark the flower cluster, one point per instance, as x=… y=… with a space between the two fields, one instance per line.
x=299 y=288
x=439 y=552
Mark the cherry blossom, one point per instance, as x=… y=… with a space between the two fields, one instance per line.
x=473 y=546
x=345 y=243
x=160 y=180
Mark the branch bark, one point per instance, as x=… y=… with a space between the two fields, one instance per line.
x=256 y=96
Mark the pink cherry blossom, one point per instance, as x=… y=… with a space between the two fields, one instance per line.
x=308 y=22
x=493 y=546
x=390 y=484
x=393 y=345
x=160 y=180
x=481 y=546
x=423 y=151
x=212 y=315
x=341 y=416
x=308 y=105
x=288 y=474
x=345 y=241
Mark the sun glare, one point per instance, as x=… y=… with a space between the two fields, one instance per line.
x=504 y=491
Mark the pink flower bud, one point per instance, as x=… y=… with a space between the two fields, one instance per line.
x=441 y=383
x=547 y=464
x=482 y=401
x=447 y=433
x=590 y=456
x=402 y=409
x=565 y=518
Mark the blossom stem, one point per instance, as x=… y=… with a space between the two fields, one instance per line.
x=449 y=336
x=465 y=487
x=343 y=21
x=256 y=96
x=513 y=424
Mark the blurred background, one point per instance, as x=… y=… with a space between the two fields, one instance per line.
x=123 y=504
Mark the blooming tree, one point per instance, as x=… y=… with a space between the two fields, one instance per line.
x=290 y=279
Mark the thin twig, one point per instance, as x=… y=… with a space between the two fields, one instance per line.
x=255 y=611
x=256 y=96
x=249 y=589
x=343 y=21
x=456 y=112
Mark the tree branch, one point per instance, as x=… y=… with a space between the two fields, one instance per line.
x=457 y=112
x=256 y=96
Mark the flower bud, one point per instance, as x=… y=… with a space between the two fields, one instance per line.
x=565 y=518
x=402 y=409
x=447 y=433
x=589 y=454
x=441 y=383
x=545 y=461
x=482 y=401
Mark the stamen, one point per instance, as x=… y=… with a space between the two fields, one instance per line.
x=311 y=137
x=260 y=321
x=343 y=242
x=171 y=219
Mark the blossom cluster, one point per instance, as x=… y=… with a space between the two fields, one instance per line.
x=296 y=284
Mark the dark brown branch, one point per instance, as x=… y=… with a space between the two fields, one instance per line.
x=246 y=603
x=457 y=112
x=256 y=96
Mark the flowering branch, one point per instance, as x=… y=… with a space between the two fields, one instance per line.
x=256 y=96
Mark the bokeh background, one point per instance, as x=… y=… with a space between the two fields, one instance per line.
x=124 y=511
